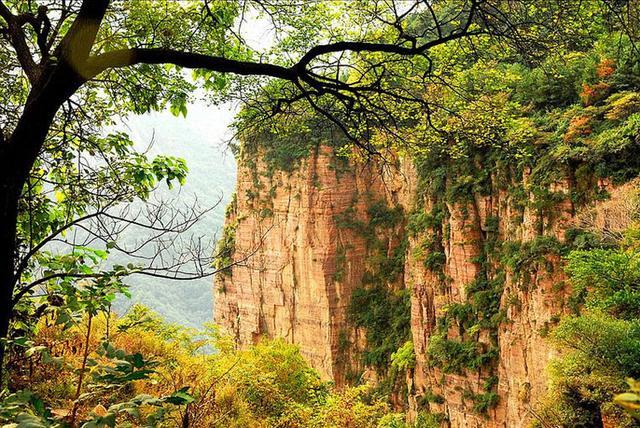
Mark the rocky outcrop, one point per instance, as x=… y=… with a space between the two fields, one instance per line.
x=297 y=267
x=529 y=301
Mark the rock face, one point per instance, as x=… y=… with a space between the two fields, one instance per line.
x=297 y=267
x=529 y=302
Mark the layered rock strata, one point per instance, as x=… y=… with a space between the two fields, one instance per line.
x=297 y=267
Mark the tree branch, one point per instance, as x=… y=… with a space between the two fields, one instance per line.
x=319 y=50
x=25 y=260
x=44 y=279
x=128 y=57
x=19 y=43
x=76 y=45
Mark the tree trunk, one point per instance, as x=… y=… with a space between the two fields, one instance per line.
x=9 y=197
x=57 y=81
x=17 y=156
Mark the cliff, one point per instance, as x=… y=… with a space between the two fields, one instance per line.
x=438 y=271
x=482 y=269
x=478 y=318
x=297 y=265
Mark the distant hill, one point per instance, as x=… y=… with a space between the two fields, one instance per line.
x=199 y=139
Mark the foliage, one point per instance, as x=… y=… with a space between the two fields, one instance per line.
x=77 y=369
x=611 y=277
x=423 y=420
x=226 y=248
x=385 y=316
x=602 y=352
x=269 y=384
x=454 y=356
x=602 y=342
x=284 y=141
x=521 y=256
x=420 y=220
x=380 y=215
x=601 y=345
x=482 y=403
x=383 y=312
x=404 y=358
x=630 y=400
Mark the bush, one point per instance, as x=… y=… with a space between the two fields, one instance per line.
x=269 y=384
x=599 y=353
x=225 y=249
x=482 y=403
x=611 y=277
x=386 y=317
x=405 y=357
x=455 y=356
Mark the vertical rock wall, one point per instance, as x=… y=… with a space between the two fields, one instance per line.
x=296 y=270
x=530 y=302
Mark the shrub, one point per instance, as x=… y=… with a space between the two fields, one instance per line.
x=454 y=356
x=610 y=276
x=405 y=357
x=386 y=317
x=599 y=353
x=482 y=403
x=225 y=249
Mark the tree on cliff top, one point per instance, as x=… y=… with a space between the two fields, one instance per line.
x=87 y=61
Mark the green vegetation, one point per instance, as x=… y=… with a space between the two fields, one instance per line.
x=386 y=317
x=601 y=342
x=453 y=356
x=226 y=248
x=341 y=260
x=384 y=313
x=404 y=358
x=609 y=279
x=544 y=118
x=284 y=143
x=267 y=385
x=482 y=403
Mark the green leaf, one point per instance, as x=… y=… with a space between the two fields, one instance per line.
x=180 y=398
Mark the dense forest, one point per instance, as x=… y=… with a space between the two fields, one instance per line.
x=436 y=220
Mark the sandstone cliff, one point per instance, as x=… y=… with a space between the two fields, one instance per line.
x=297 y=268
x=482 y=268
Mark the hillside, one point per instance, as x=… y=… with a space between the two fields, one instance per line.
x=202 y=143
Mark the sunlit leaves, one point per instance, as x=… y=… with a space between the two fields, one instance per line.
x=26 y=409
x=630 y=400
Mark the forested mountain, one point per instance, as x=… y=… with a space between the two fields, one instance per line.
x=201 y=140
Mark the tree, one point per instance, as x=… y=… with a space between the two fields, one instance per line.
x=61 y=56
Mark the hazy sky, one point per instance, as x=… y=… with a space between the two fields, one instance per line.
x=200 y=139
